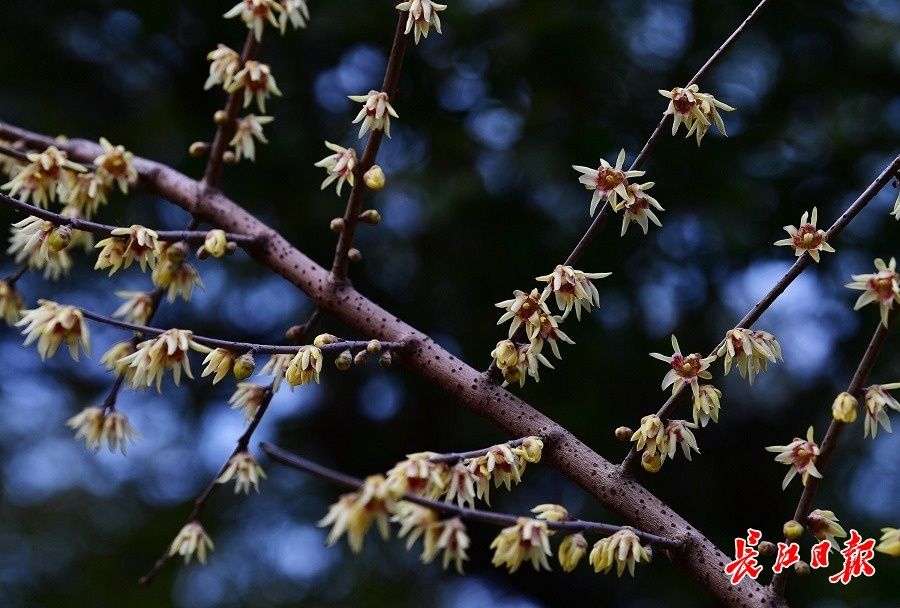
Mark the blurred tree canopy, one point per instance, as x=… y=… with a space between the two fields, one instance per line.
x=481 y=198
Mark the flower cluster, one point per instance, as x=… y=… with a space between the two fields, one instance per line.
x=883 y=287
x=800 y=455
x=305 y=366
x=354 y=513
x=807 y=238
x=423 y=15
x=527 y=540
x=695 y=109
x=609 y=182
x=572 y=289
x=622 y=549
x=244 y=470
x=877 y=399
x=97 y=426
x=168 y=351
x=126 y=246
x=46 y=176
x=340 y=166
x=35 y=241
x=376 y=112
x=685 y=369
x=659 y=440
x=51 y=324
x=174 y=274
x=753 y=350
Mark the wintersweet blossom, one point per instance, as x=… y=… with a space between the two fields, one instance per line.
x=572 y=289
x=87 y=194
x=224 y=62
x=247 y=129
x=112 y=359
x=340 y=166
x=294 y=11
x=571 y=550
x=376 y=112
x=30 y=242
x=622 y=549
x=51 y=324
x=276 y=366
x=414 y=521
x=678 y=432
x=128 y=245
x=638 y=207
x=450 y=537
x=505 y=465
x=608 y=182
x=417 y=474
x=516 y=362
x=695 y=109
x=248 y=397
x=218 y=361
x=48 y=174
x=707 y=404
x=709 y=106
x=137 y=308
x=255 y=13
x=191 y=540
x=650 y=436
x=523 y=308
x=423 y=15
x=305 y=366
x=807 y=238
x=527 y=540
x=355 y=512
x=549 y=331
x=685 y=369
x=844 y=408
x=551 y=512
x=530 y=449
x=116 y=165
x=11 y=303
x=800 y=455
x=257 y=82
x=889 y=542
x=167 y=351
x=824 y=525
x=97 y=427
x=752 y=349
x=178 y=278
x=244 y=470
x=877 y=399
x=460 y=486
x=882 y=287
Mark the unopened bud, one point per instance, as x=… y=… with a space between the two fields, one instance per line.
x=801 y=568
x=343 y=361
x=373 y=347
x=337 y=224
x=295 y=333
x=243 y=366
x=60 y=238
x=844 y=408
x=229 y=158
x=176 y=252
x=220 y=117
x=385 y=359
x=374 y=178
x=354 y=255
x=766 y=548
x=370 y=216
x=202 y=253
x=230 y=248
x=793 y=529
x=361 y=358
x=198 y=149
x=323 y=339
x=652 y=463
x=216 y=243
x=623 y=433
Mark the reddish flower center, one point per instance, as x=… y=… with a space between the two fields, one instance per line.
x=687 y=367
x=608 y=178
x=682 y=102
x=808 y=237
x=883 y=286
x=803 y=455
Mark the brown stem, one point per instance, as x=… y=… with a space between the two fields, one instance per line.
x=354 y=202
x=630 y=461
x=454 y=457
x=16 y=274
x=445 y=508
x=804 y=505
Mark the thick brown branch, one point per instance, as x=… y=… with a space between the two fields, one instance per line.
x=449 y=509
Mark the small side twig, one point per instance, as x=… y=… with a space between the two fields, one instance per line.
x=454 y=457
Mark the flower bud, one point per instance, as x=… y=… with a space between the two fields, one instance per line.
x=370 y=216
x=343 y=361
x=295 y=333
x=220 y=117
x=766 y=548
x=229 y=158
x=354 y=255
x=243 y=366
x=373 y=347
x=216 y=243
x=198 y=149
x=571 y=550
x=374 y=178
x=323 y=339
x=623 y=433
x=361 y=358
x=532 y=448
x=652 y=463
x=793 y=529
x=230 y=248
x=60 y=238
x=202 y=253
x=385 y=359
x=176 y=252
x=844 y=408
x=337 y=224
x=801 y=568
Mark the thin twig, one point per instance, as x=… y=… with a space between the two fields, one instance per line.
x=454 y=457
x=16 y=274
x=445 y=508
x=354 y=201
x=190 y=236
x=804 y=505
x=628 y=464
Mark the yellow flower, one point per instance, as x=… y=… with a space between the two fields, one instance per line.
x=246 y=472
x=141 y=245
x=192 y=539
x=678 y=432
x=752 y=349
x=685 y=369
x=414 y=520
x=276 y=367
x=245 y=130
x=571 y=550
x=423 y=15
x=257 y=82
x=807 y=238
x=890 y=542
x=46 y=175
x=800 y=455
x=882 y=287
x=844 y=408
x=695 y=109
x=355 y=512
x=112 y=359
x=255 y=13
x=524 y=308
x=622 y=549
x=607 y=181
x=305 y=366
x=294 y=11
x=824 y=526
x=376 y=112
x=339 y=166
x=97 y=427
x=531 y=449
x=551 y=512
x=638 y=206
x=87 y=194
x=461 y=485
x=116 y=164
x=247 y=398
x=11 y=303
x=137 y=308
x=650 y=436
x=51 y=324
x=877 y=399
x=177 y=278
x=30 y=241
x=572 y=289
x=450 y=537
x=418 y=475
x=706 y=404
x=528 y=539
x=504 y=465
x=224 y=62
x=168 y=351
x=219 y=361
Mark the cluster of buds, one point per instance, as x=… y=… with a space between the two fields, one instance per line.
x=877 y=400
x=881 y=287
x=751 y=349
x=695 y=109
x=800 y=455
x=50 y=325
x=168 y=351
x=97 y=426
x=807 y=238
